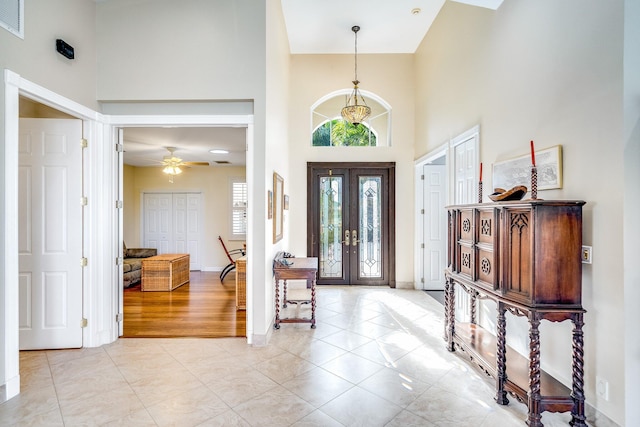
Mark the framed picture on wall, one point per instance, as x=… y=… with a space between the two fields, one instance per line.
x=269 y=204
x=510 y=173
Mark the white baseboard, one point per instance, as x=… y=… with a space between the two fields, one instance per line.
x=404 y=285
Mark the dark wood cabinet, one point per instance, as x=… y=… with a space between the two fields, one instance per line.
x=525 y=256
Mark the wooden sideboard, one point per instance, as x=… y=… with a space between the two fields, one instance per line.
x=526 y=257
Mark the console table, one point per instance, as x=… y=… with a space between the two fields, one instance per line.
x=295 y=269
x=524 y=256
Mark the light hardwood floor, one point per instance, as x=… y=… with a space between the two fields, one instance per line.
x=204 y=307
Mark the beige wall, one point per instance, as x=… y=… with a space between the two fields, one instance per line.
x=388 y=76
x=36 y=59
x=276 y=159
x=212 y=182
x=192 y=49
x=551 y=72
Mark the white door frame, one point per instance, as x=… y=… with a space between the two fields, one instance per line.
x=15 y=86
x=101 y=235
x=116 y=122
x=445 y=149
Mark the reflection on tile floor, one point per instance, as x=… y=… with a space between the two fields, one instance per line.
x=376 y=358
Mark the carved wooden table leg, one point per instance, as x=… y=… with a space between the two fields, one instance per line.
x=276 y=324
x=284 y=299
x=451 y=316
x=474 y=303
x=578 y=417
x=313 y=304
x=534 y=419
x=445 y=332
x=501 y=356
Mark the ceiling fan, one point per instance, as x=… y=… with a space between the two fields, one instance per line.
x=172 y=165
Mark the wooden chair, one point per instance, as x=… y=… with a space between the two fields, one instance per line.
x=232 y=255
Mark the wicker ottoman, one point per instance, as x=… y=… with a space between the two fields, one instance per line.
x=165 y=272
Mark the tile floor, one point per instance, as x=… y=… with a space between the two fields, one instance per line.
x=376 y=358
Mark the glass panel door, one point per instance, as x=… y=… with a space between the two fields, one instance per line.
x=370 y=222
x=330 y=239
x=350 y=222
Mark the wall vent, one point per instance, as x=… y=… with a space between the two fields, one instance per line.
x=12 y=16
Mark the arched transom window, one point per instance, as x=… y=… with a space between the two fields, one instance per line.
x=330 y=130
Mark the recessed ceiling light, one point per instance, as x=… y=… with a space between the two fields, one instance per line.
x=218 y=151
x=416 y=11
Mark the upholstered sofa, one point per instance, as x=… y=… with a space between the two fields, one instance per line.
x=132 y=264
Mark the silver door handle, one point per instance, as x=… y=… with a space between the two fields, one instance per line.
x=354 y=238
x=346 y=238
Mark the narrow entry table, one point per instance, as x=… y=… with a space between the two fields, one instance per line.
x=299 y=269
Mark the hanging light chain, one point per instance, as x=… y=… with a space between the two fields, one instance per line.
x=353 y=112
x=355 y=29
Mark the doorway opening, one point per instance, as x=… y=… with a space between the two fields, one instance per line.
x=182 y=214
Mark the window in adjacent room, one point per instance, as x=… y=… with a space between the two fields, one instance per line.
x=238 y=209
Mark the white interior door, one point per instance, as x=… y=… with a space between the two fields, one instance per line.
x=435 y=226
x=173 y=224
x=194 y=230
x=50 y=230
x=466 y=165
x=466 y=148
x=158 y=224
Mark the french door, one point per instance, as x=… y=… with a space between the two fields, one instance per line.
x=351 y=222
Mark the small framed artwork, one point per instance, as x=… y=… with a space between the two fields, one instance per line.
x=269 y=204
x=286 y=202
x=510 y=173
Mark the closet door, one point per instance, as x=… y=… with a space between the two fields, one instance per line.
x=187 y=226
x=173 y=224
x=158 y=223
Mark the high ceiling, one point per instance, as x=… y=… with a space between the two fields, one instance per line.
x=313 y=27
x=386 y=26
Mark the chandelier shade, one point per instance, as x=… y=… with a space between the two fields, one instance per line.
x=353 y=112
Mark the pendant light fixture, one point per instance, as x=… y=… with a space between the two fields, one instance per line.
x=353 y=112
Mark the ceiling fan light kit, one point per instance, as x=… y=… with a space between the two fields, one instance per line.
x=353 y=112
x=172 y=165
x=172 y=170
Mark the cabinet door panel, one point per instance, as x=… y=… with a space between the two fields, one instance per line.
x=487 y=268
x=487 y=227
x=466 y=261
x=517 y=254
x=466 y=227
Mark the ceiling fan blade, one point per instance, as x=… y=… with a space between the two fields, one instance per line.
x=195 y=163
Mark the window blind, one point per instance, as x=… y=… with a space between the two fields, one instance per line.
x=239 y=209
